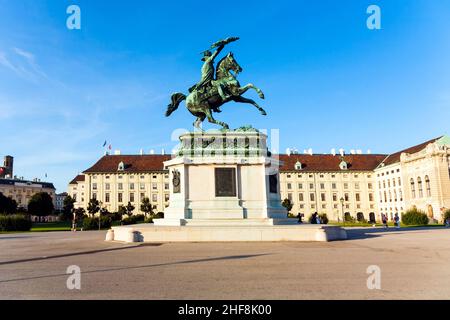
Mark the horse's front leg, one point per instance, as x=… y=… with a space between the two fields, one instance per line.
x=245 y=88
x=250 y=101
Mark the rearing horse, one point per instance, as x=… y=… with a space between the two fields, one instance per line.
x=202 y=104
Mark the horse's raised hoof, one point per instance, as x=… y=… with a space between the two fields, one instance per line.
x=263 y=112
x=261 y=95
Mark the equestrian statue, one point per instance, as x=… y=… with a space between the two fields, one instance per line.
x=216 y=87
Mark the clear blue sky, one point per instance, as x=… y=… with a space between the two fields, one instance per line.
x=329 y=81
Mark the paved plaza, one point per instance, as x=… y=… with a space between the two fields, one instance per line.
x=415 y=264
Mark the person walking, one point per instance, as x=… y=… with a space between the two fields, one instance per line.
x=397 y=221
x=384 y=219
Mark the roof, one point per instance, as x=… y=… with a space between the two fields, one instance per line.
x=133 y=163
x=329 y=162
x=395 y=157
x=11 y=182
x=78 y=178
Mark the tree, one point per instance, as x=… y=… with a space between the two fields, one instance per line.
x=287 y=204
x=78 y=213
x=7 y=205
x=147 y=207
x=129 y=208
x=41 y=205
x=93 y=207
x=68 y=207
x=121 y=212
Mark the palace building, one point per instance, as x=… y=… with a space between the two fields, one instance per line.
x=364 y=185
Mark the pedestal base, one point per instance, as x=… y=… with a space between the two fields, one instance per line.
x=228 y=233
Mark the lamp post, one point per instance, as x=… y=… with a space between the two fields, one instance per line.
x=342 y=207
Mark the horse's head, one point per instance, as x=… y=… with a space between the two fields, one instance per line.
x=232 y=63
x=227 y=64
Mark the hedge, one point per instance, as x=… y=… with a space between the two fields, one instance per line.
x=134 y=219
x=92 y=223
x=414 y=217
x=15 y=222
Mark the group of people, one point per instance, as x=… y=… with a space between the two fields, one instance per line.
x=384 y=219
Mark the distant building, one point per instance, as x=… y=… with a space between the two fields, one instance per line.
x=365 y=185
x=59 y=201
x=23 y=190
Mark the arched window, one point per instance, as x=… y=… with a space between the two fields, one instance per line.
x=419 y=186
x=413 y=188
x=428 y=186
x=298 y=165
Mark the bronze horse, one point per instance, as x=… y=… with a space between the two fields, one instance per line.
x=201 y=103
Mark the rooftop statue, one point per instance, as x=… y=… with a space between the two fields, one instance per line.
x=217 y=86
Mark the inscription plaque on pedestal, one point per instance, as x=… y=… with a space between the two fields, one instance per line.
x=225 y=182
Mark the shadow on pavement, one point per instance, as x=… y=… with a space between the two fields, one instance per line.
x=76 y=254
x=144 y=266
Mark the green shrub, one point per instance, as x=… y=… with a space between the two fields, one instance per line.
x=159 y=215
x=447 y=214
x=148 y=220
x=15 y=222
x=134 y=219
x=414 y=217
x=92 y=223
x=348 y=217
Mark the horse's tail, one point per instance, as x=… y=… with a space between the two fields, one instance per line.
x=176 y=100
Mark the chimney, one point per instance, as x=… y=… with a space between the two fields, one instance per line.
x=152 y=151
x=341 y=152
x=358 y=151
x=310 y=151
x=163 y=152
x=141 y=152
x=117 y=152
x=352 y=151
x=288 y=151
x=369 y=151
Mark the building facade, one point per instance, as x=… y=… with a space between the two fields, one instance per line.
x=22 y=190
x=364 y=185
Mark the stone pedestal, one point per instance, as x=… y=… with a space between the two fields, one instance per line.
x=223 y=178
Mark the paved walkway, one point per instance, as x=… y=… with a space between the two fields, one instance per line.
x=415 y=264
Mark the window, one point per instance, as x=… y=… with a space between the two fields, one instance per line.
x=395 y=195
x=300 y=197
x=346 y=186
x=300 y=185
x=385 y=196
x=142 y=186
x=154 y=197
x=154 y=186
x=166 y=197
x=428 y=186
x=107 y=197
x=399 y=181
x=131 y=197
x=333 y=186
x=290 y=196
x=312 y=197
x=131 y=186
x=94 y=186
x=289 y=186
x=356 y=185
x=358 y=197
x=322 y=197
x=142 y=177
x=393 y=182
x=413 y=188
x=107 y=186
x=120 y=186
x=335 y=197
x=322 y=186
x=370 y=196
x=311 y=186
x=94 y=196
x=288 y=176
x=370 y=186
x=419 y=186
x=298 y=165
x=346 y=197
x=166 y=186
x=120 y=197
x=401 y=194
x=142 y=196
